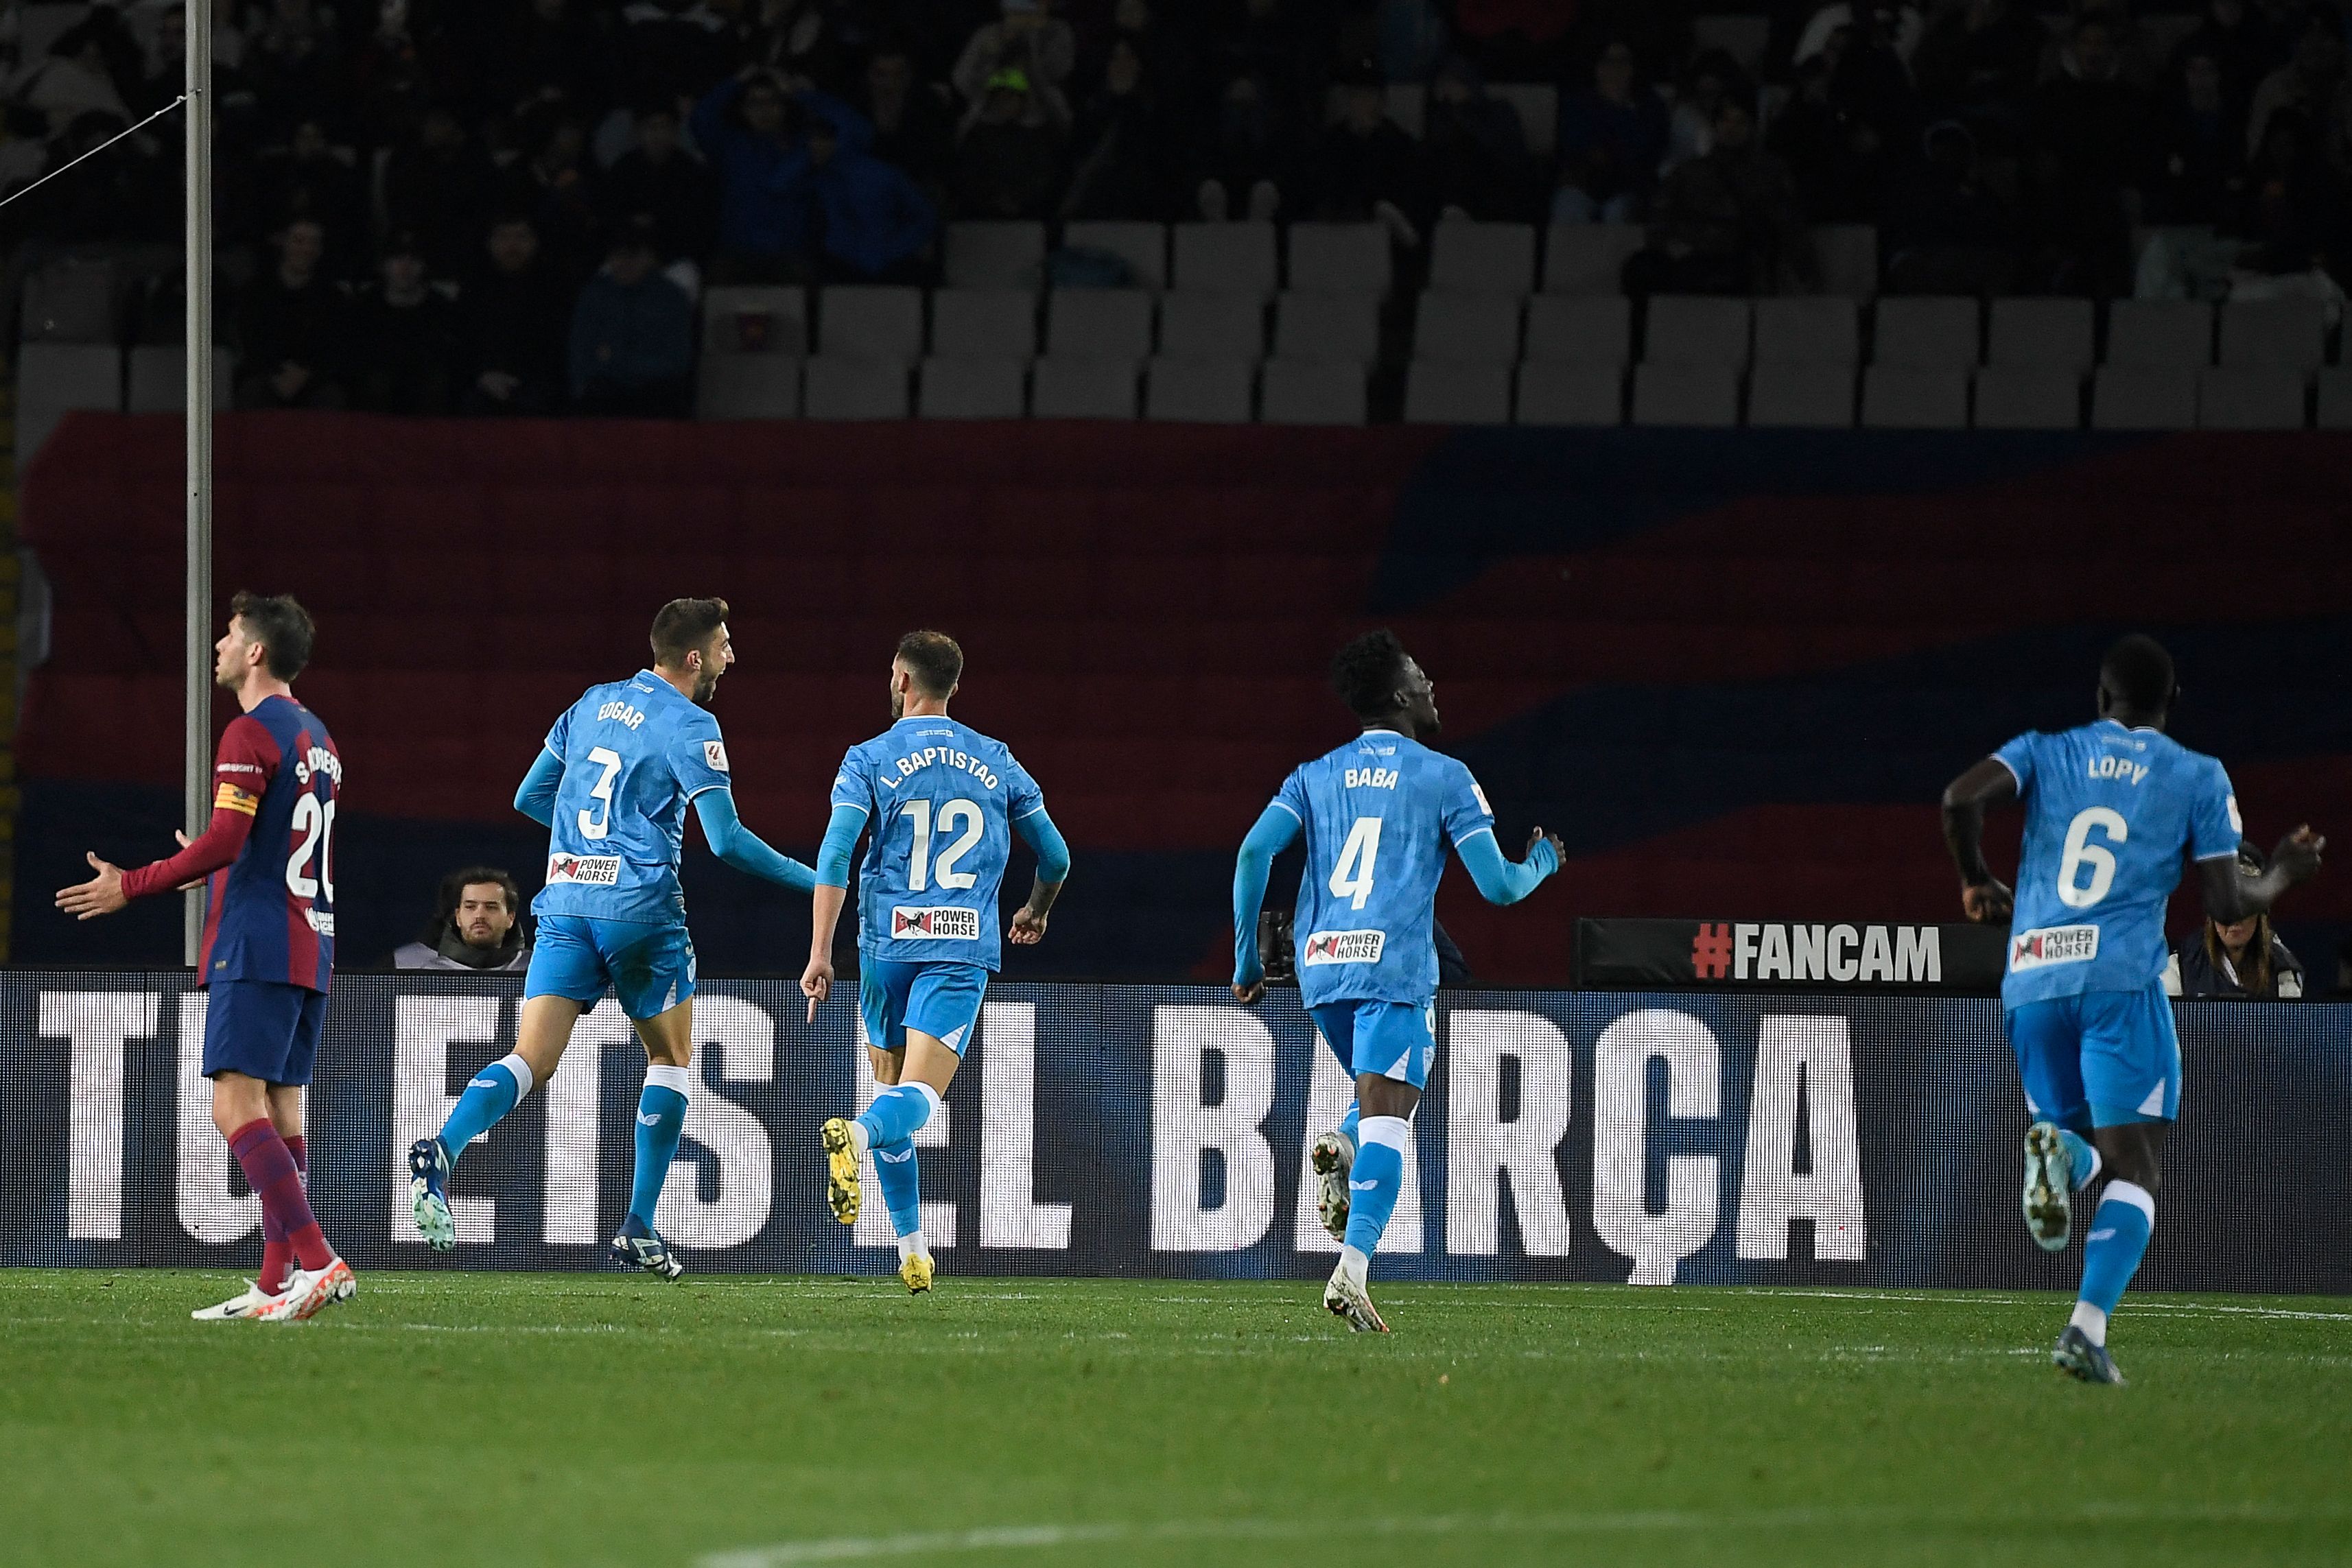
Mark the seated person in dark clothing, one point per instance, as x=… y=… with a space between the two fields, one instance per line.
x=1122 y=147
x=1611 y=138
x=512 y=324
x=311 y=179
x=1364 y=166
x=1239 y=166
x=291 y=325
x=1727 y=222
x=1839 y=161
x=913 y=126
x=404 y=337
x=2242 y=961
x=439 y=184
x=632 y=333
x=477 y=925
x=660 y=176
x=1006 y=168
x=1476 y=150
x=1947 y=230
x=2203 y=150
x=867 y=220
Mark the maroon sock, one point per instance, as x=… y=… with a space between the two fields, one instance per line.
x=275 y=1256
x=271 y=1171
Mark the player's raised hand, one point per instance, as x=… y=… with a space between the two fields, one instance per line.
x=101 y=894
x=817 y=984
x=1987 y=903
x=1028 y=927
x=1559 y=850
x=2298 y=854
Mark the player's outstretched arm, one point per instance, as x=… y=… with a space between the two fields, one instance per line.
x=1983 y=897
x=1497 y=880
x=2232 y=897
x=744 y=850
x=535 y=796
x=831 y=890
x=1038 y=831
x=199 y=857
x=1276 y=830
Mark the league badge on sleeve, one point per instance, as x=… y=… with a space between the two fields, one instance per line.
x=714 y=755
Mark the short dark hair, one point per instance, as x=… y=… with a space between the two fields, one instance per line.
x=684 y=625
x=454 y=887
x=1368 y=672
x=934 y=659
x=282 y=627
x=2138 y=671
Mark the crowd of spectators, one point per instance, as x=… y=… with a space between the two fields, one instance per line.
x=509 y=206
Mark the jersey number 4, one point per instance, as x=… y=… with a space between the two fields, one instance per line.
x=1352 y=877
x=2081 y=851
x=314 y=822
x=921 y=869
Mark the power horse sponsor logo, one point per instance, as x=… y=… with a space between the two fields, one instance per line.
x=2051 y=944
x=1342 y=948
x=591 y=871
x=935 y=924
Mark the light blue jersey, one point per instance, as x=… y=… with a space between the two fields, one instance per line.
x=940 y=801
x=635 y=752
x=1378 y=815
x=2108 y=813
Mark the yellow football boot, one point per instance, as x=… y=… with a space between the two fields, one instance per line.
x=916 y=1270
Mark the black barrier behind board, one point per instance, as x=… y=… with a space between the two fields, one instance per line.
x=1790 y=955
x=1162 y=1131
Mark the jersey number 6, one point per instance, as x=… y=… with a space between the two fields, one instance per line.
x=921 y=869
x=2081 y=851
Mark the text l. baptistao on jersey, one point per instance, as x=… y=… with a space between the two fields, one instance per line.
x=270 y=913
x=940 y=800
x=2108 y=813
x=1378 y=814
x=635 y=752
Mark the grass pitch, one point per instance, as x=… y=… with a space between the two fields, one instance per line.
x=752 y=1423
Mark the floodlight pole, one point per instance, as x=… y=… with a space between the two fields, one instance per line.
x=198 y=736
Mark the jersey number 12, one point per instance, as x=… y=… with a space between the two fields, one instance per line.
x=921 y=868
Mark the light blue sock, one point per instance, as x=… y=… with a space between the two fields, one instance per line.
x=898 y=1113
x=1378 y=1176
x=492 y=1093
x=661 y=1117
x=2082 y=1157
x=901 y=1179
x=1348 y=1123
x=2118 y=1236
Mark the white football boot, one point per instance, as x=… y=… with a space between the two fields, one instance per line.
x=308 y=1293
x=246 y=1303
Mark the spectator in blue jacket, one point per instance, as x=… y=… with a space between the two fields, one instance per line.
x=861 y=219
x=748 y=129
x=1611 y=138
x=632 y=333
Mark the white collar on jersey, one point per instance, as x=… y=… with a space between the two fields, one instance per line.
x=2133 y=728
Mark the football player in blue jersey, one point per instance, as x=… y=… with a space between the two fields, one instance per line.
x=2111 y=808
x=1377 y=815
x=938 y=803
x=612 y=785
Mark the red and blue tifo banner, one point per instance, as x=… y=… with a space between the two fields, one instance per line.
x=1161 y=1131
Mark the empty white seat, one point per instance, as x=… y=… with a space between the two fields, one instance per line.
x=1537 y=107
x=71 y=300
x=2028 y=397
x=871 y=322
x=157 y=378
x=1695 y=329
x=1570 y=395
x=2159 y=334
x=1800 y=395
x=1466 y=328
x=1588 y=258
x=1928 y=332
x=1807 y=329
x=55 y=379
x=1590 y=330
x=2335 y=412
x=743 y=320
x=1685 y=394
x=1143 y=246
x=2250 y=397
x=989 y=254
x=1076 y=387
x=1339 y=258
x=1225 y=258
x=1194 y=326
x=1437 y=392
x=1912 y=397
x=747 y=386
x=1199 y=390
x=2134 y=397
x=985 y=323
x=2283 y=332
x=1099 y=323
x=1311 y=392
x=972 y=388
x=1847 y=255
x=1345 y=327
x=839 y=387
x=1483 y=258
x=2041 y=334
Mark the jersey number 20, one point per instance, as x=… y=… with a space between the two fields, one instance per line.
x=2081 y=851
x=921 y=869
x=1352 y=877
x=314 y=819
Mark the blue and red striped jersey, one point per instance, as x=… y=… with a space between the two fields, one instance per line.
x=270 y=914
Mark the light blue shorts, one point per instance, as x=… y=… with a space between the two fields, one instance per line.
x=649 y=968
x=942 y=1000
x=1388 y=1039
x=2103 y=1058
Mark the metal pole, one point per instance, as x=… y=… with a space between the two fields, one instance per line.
x=199 y=731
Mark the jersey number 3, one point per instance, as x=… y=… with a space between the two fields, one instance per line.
x=2081 y=851
x=597 y=825
x=1352 y=877
x=921 y=868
